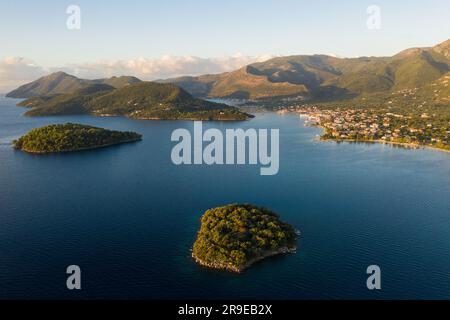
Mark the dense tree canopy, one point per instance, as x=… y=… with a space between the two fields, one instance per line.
x=71 y=137
x=142 y=100
x=233 y=236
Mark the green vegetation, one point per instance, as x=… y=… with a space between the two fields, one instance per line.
x=149 y=100
x=65 y=104
x=119 y=82
x=235 y=236
x=140 y=100
x=71 y=137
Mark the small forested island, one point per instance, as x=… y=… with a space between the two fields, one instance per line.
x=71 y=137
x=234 y=237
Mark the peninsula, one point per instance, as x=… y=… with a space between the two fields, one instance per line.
x=138 y=100
x=71 y=137
x=234 y=237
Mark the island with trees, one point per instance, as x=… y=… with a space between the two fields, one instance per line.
x=71 y=137
x=234 y=237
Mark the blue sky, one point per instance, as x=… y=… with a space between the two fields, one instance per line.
x=125 y=30
x=128 y=29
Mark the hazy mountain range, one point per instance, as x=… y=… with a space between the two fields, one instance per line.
x=321 y=76
x=60 y=82
x=316 y=77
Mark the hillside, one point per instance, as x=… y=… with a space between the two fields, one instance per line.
x=119 y=82
x=62 y=83
x=433 y=97
x=243 y=84
x=54 y=83
x=321 y=77
x=65 y=104
x=141 y=100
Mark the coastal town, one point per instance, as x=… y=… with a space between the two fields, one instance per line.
x=375 y=125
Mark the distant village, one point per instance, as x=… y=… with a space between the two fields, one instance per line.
x=376 y=125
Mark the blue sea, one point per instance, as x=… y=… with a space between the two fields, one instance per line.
x=128 y=216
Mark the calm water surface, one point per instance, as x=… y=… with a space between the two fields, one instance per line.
x=128 y=217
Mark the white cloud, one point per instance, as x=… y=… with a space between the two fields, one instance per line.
x=15 y=71
x=164 y=67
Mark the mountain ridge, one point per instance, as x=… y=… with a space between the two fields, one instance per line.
x=322 y=76
x=61 y=83
x=310 y=77
x=140 y=100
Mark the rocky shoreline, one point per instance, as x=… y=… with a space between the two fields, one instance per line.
x=235 y=269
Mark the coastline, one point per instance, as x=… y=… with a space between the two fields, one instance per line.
x=82 y=149
x=392 y=143
x=189 y=119
x=232 y=268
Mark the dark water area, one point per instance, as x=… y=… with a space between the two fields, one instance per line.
x=128 y=216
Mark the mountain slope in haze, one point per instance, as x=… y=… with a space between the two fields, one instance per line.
x=61 y=83
x=324 y=77
x=54 y=83
x=243 y=84
x=141 y=100
x=443 y=49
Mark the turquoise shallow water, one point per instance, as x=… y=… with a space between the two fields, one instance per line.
x=127 y=216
